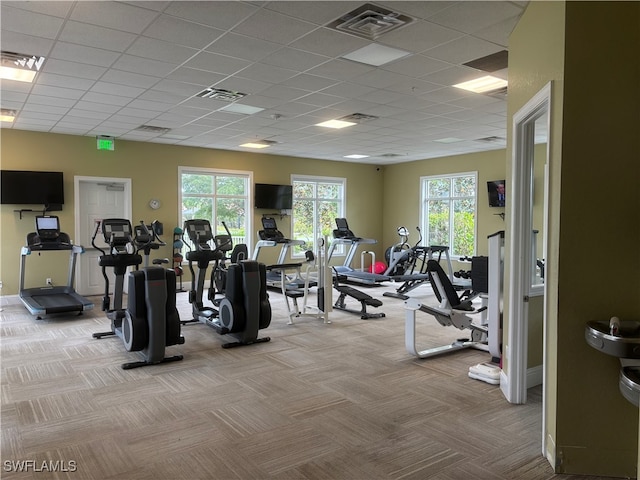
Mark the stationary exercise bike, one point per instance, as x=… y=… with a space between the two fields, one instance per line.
x=245 y=308
x=150 y=322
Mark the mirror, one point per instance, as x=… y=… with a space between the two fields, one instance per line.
x=538 y=200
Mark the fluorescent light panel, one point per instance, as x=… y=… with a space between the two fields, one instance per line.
x=259 y=144
x=355 y=155
x=484 y=84
x=375 y=54
x=7 y=115
x=240 y=108
x=335 y=124
x=19 y=67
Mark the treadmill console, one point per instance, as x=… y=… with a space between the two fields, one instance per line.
x=343 y=230
x=270 y=231
x=48 y=228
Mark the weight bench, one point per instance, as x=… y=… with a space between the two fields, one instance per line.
x=452 y=311
x=364 y=298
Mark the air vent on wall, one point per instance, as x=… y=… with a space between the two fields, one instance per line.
x=370 y=21
x=221 y=94
x=358 y=118
x=152 y=129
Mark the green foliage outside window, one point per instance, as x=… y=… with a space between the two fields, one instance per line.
x=316 y=205
x=450 y=213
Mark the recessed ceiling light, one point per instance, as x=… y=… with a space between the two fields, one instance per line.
x=336 y=124
x=449 y=140
x=375 y=54
x=355 y=155
x=19 y=67
x=240 y=108
x=7 y=115
x=484 y=84
x=258 y=144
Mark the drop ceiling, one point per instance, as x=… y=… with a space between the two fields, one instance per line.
x=276 y=69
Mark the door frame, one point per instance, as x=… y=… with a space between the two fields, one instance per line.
x=514 y=382
x=77 y=179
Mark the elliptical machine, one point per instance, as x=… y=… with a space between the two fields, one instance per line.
x=245 y=308
x=150 y=322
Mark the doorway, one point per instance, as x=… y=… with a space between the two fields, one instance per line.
x=97 y=198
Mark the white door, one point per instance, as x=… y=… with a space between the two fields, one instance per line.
x=97 y=198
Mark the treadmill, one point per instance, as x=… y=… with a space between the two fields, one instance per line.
x=50 y=300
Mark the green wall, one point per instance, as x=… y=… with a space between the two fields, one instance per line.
x=153 y=170
x=601 y=103
x=401 y=193
x=590 y=51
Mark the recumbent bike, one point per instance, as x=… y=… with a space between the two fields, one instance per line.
x=245 y=308
x=151 y=321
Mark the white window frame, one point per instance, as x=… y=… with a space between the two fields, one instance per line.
x=222 y=172
x=423 y=208
x=343 y=201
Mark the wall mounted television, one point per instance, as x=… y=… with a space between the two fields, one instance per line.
x=21 y=187
x=497 y=193
x=275 y=197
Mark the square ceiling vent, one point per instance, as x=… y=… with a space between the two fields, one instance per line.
x=221 y=94
x=370 y=21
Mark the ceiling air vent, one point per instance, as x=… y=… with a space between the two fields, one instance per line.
x=391 y=155
x=492 y=139
x=221 y=94
x=501 y=93
x=370 y=21
x=153 y=129
x=358 y=118
x=490 y=63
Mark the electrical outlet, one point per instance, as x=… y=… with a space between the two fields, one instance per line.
x=49 y=281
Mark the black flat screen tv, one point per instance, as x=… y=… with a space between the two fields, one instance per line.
x=21 y=187
x=497 y=193
x=275 y=197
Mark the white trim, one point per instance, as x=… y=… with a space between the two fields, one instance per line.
x=535 y=376
x=520 y=245
x=423 y=198
x=9 y=300
x=222 y=171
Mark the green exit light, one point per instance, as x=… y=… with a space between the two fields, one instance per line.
x=106 y=143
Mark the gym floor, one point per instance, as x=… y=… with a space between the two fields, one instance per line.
x=319 y=401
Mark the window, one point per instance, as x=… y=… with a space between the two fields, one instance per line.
x=448 y=212
x=317 y=201
x=218 y=196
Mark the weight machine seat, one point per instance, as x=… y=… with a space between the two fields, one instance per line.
x=444 y=289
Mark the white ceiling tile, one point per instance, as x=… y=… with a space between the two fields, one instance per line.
x=82 y=54
x=130 y=63
x=318 y=13
x=242 y=46
x=119 y=65
x=182 y=32
x=155 y=49
x=219 y=14
x=116 y=15
x=212 y=62
x=328 y=42
x=273 y=27
x=30 y=23
x=95 y=36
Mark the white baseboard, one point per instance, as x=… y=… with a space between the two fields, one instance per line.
x=7 y=300
x=534 y=376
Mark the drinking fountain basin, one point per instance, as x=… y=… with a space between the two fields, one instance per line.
x=630 y=384
x=623 y=341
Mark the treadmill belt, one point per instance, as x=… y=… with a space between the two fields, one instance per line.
x=58 y=303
